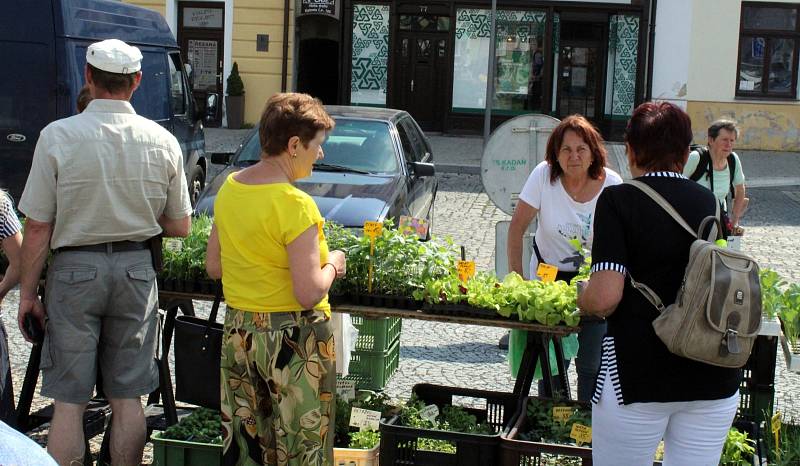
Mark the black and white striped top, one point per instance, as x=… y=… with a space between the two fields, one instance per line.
x=633 y=235
x=9 y=222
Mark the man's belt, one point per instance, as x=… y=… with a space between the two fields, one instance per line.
x=116 y=246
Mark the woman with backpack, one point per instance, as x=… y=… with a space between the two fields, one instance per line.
x=719 y=169
x=644 y=392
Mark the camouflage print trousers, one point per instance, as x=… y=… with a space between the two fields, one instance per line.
x=278 y=381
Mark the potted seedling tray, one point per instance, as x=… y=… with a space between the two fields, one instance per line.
x=417 y=446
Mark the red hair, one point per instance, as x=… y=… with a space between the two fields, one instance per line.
x=583 y=128
x=659 y=133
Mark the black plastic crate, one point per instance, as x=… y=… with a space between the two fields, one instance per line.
x=400 y=444
x=760 y=366
x=757 y=390
x=517 y=452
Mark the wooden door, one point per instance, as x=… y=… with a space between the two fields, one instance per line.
x=201 y=36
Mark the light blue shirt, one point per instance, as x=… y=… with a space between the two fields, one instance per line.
x=721 y=177
x=18 y=450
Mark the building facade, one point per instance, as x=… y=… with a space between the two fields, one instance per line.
x=732 y=59
x=256 y=34
x=431 y=58
x=735 y=59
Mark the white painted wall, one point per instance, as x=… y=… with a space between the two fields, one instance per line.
x=672 y=50
x=714 y=49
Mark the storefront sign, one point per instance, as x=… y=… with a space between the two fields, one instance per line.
x=202 y=17
x=202 y=56
x=319 y=7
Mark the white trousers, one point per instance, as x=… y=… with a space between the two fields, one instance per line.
x=628 y=435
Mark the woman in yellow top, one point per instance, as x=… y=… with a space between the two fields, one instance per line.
x=277 y=368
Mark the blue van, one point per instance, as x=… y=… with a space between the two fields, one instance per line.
x=43 y=52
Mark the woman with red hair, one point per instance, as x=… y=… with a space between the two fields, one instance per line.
x=562 y=192
x=644 y=392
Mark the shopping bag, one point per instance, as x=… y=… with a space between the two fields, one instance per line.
x=198 y=348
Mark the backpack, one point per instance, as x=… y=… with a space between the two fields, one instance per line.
x=717 y=313
x=704 y=167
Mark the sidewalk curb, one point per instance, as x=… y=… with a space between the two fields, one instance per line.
x=458 y=168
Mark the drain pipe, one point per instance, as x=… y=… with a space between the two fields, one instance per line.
x=285 y=58
x=651 y=45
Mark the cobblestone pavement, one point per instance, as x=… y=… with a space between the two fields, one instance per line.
x=466 y=355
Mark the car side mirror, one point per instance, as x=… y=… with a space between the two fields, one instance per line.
x=221 y=158
x=212 y=106
x=423 y=169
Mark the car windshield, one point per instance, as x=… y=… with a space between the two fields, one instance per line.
x=360 y=145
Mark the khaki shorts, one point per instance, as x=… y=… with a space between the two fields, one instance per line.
x=102 y=309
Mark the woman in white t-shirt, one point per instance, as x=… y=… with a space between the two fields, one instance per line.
x=562 y=193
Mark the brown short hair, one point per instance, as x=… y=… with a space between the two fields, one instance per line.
x=290 y=114
x=84 y=97
x=111 y=82
x=659 y=134
x=583 y=128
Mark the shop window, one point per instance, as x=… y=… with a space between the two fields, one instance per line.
x=520 y=60
x=370 y=54
x=768 y=46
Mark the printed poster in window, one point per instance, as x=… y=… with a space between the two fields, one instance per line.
x=202 y=56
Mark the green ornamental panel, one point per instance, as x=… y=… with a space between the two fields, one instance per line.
x=624 y=38
x=370 y=55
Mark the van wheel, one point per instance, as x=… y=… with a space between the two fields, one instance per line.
x=197 y=181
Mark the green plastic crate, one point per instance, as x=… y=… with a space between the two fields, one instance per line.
x=370 y=370
x=376 y=334
x=169 y=452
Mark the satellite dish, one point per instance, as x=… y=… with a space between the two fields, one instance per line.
x=513 y=150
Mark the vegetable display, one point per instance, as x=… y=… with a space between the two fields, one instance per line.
x=781 y=299
x=185 y=258
x=351 y=437
x=548 y=303
x=544 y=427
x=451 y=418
x=201 y=426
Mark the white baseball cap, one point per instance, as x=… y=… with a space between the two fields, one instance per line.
x=114 y=56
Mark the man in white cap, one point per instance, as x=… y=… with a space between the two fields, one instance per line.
x=102 y=183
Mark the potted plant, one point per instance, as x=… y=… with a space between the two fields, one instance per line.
x=234 y=101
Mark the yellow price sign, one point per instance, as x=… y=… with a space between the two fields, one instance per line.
x=466 y=270
x=581 y=434
x=547 y=272
x=562 y=413
x=776 y=423
x=373 y=229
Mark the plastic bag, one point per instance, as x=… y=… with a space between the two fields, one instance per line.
x=516 y=347
x=345 y=335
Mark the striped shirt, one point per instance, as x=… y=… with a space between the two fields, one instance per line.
x=9 y=222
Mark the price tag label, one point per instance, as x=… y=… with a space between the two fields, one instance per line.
x=414 y=226
x=429 y=413
x=562 y=413
x=776 y=423
x=373 y=229
x=581 y=434
x=547 y=272
x=466 y=270
x=345 y=389
x=173 y=244
x=365 y=419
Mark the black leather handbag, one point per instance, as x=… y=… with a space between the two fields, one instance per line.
x=198 y=347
